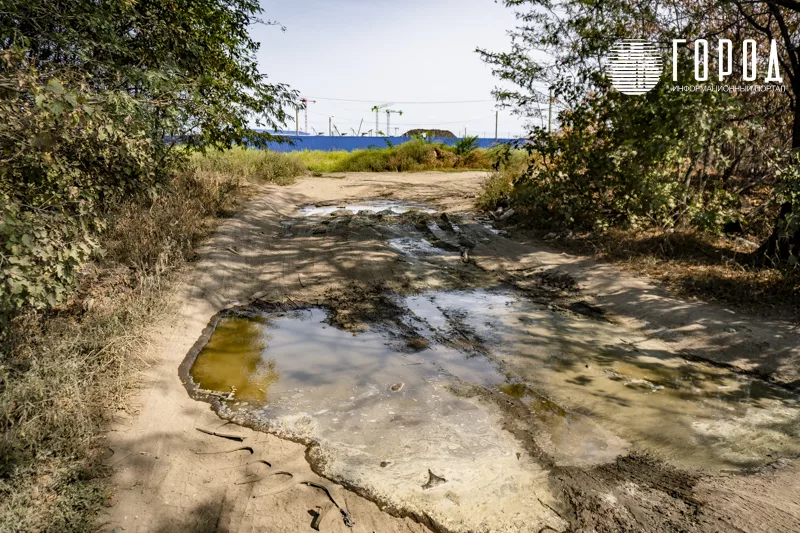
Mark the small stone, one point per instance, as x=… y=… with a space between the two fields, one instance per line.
x=506 y=215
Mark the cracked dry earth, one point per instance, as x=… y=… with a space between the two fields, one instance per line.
x=363 y=354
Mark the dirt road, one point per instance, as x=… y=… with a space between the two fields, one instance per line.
x=492 y=385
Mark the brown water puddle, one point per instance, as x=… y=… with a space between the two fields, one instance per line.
x=382 y=418
x=233 y=360
x=271 y=358
x=593 y=391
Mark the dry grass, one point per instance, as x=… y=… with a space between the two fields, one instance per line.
x=284 y=168
x=250 y=164
x=498 y=187
x=411 y=156
x=62 y=371
x=693 y=264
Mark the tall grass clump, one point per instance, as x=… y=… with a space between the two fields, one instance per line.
x=319 y=160
x=282 y=168
x=250 y=164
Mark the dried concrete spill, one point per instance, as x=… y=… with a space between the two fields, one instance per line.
x=372 y=206
x=414 y=247
x=406 y=412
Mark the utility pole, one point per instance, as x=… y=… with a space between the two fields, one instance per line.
x=496 y=115
x=550 y=111
x=330 y=123
x=305 y=102
x=297 y=120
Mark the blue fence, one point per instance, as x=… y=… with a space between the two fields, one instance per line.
x=348 y=144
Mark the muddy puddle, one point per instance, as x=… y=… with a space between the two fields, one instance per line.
x=373 y=206
x=415 y=246
x=292 y=360
x=388 y=417
x=593 y=392
x=383 y=419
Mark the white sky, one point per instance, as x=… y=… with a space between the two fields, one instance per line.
x=382 y=51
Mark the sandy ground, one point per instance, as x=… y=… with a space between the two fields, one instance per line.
x=167 y=476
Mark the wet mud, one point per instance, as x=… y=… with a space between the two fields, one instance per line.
x=474 y=400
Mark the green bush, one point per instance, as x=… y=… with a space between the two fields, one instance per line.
x=466 y=145
x=684 y=153
x=631 y=162
x=412 y=156
x=69 y=154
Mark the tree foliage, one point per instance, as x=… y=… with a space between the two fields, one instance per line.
x=94 y=97
x=667 y=157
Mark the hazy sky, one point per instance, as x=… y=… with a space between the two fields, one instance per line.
x=383 y=51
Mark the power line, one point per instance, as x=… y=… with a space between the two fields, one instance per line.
x=343 y=118
x=404 y=103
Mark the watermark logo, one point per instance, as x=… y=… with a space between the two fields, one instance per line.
x=635 y=66
x=725 y=60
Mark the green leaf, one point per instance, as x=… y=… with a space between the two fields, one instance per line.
x=55 y=87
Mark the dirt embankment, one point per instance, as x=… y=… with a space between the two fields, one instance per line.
x=170 y=476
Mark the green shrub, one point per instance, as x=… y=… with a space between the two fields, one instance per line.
x=412 y=156
x=69 y=155
x=466 y=145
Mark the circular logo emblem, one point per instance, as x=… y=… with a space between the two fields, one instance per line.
x=634 y=66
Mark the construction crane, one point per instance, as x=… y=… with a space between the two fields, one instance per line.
x=377 y=109
x=305 y=101
x=388 y=115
